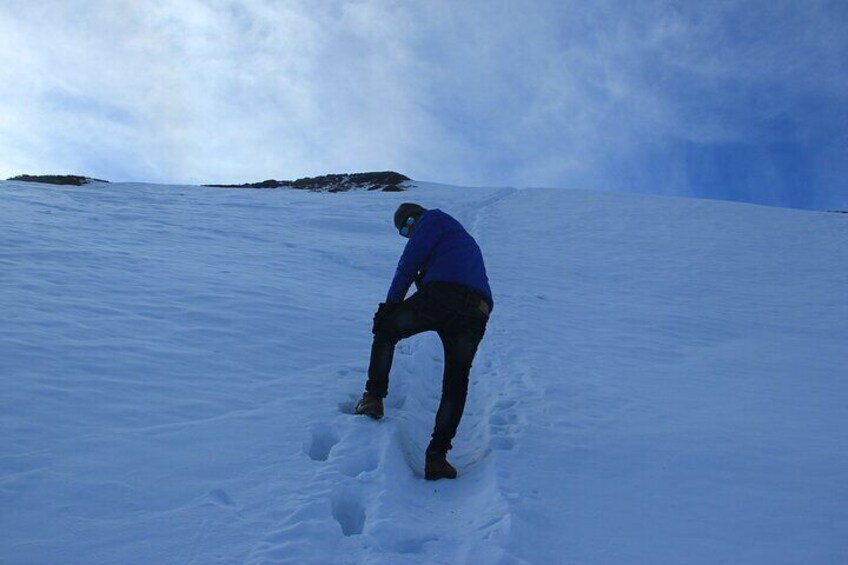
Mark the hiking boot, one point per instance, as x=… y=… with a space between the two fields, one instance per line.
x=370 y=405
x=436 y=466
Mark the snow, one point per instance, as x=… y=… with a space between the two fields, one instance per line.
x=663 y=381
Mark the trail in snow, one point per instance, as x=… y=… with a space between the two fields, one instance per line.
x=392 y=512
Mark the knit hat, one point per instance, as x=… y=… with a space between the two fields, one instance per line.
x=406 y=210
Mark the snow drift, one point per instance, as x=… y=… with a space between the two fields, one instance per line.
x=662 y=381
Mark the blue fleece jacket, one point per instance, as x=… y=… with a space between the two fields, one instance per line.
x=444 y=251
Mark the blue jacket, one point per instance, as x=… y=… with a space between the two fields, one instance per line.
x=442 y=249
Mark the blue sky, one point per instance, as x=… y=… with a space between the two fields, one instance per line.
x=744 y=100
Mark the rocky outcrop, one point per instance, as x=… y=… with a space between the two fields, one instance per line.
x=270 y=183
x=74 y=180
x=387 y=181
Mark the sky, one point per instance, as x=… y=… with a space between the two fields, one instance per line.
x=737 y=100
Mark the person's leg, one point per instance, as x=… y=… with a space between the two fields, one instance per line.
x=460 y=348
x=410 y=317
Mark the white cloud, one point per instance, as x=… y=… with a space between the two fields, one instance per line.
x=602 y=94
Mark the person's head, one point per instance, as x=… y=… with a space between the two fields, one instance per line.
x=407 y=216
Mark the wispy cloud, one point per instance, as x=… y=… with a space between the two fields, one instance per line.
x=745 y=100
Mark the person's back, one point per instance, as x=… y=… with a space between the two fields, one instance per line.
x=442 y=250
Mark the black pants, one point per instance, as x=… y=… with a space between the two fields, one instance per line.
x=454 y=312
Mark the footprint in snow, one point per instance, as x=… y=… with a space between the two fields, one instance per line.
x=502 y=443
x=349 y=512
x=504 y=424
x=347 y=406
x=503 y=419
x=322 y=439
x=220 y=497
x=395 y=401
x=504 y=404
x=358 y=462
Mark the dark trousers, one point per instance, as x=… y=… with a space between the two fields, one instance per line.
x=451 y=310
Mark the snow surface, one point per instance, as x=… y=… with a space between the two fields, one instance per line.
x=662 y=381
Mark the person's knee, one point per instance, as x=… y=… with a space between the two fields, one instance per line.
x=395 y=327
x=388 y=334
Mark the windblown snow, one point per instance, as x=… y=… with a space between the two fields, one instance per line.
x=662 y=381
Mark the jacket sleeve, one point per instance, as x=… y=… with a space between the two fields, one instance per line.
x=415 y=254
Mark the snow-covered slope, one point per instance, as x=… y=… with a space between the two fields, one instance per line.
x=662 y=381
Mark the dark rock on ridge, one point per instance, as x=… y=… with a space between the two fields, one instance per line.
x=387 y=181
x=270 y=183
x=74 y=180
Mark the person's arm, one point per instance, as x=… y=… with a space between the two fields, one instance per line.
x=418 y=248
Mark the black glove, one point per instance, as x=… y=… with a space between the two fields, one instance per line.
x=383 y=311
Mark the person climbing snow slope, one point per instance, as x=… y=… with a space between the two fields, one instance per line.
x=453 y=298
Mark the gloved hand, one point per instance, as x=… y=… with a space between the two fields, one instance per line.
x=383 y=311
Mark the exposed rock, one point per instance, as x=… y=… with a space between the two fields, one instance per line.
x=387 y=181
x=74 y=180
x=270 y=183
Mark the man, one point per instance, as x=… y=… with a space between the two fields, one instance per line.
x=453 y=299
